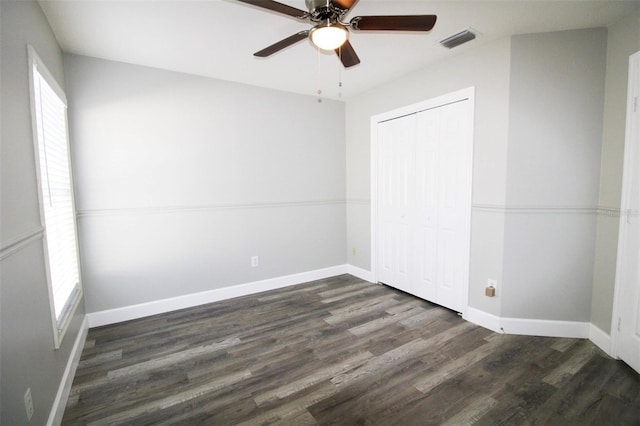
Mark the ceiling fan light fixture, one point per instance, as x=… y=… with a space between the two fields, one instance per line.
x=328 y=35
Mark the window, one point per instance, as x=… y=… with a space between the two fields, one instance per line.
x=57 y=212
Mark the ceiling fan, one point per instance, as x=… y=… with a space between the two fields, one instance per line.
x=331 y=32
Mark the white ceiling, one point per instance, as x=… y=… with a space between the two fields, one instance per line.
x=217 y=38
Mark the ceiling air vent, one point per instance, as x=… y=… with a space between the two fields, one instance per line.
x=458 y=38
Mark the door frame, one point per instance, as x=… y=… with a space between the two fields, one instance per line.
x=632 y=130
x=449 y=98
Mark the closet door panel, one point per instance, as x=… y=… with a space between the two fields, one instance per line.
x=385 y=229
x=427 y=194
x=397 y=145
x=443 y=134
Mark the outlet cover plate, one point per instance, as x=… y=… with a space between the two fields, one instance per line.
x=28 y=404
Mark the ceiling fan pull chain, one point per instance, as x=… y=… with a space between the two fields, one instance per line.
x=340 y=72
x=318 y=76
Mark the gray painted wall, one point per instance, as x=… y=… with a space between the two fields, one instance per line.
x=181 y=179
x=555 y=139
x=26 y=343
x=555 y=118
x=623 y=41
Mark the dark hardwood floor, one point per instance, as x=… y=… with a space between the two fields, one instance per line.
x=340 y=352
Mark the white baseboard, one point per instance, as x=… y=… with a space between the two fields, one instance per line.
x=363 y=274
x=548 y=328
x=483 y=319
x=600 y=339
x=530 y=327
x=141 y=310
x=60 y=402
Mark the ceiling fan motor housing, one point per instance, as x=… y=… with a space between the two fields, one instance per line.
x=322 y=9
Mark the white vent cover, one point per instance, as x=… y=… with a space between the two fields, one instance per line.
x=458 y=38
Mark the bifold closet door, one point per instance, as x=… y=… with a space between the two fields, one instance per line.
x=424 y=203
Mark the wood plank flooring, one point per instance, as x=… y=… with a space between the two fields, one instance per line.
x=340 y=351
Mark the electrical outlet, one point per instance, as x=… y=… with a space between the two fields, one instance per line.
x=255 y=261
x=353 y=250
x=490 y=289
x=28 y=404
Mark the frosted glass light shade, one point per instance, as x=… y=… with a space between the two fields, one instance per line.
x=329 y=35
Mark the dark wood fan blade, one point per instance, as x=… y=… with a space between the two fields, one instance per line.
x=276 y=47
x=344 y=4
x=347 y=55
x=394 y=23
x=277 y=7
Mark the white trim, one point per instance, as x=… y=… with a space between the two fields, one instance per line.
x=550 y=210
x=548 y=328
x=37 y=68
x=60 y=402
x=532 y=327
x=609 y=211
x=34 y=59
x=112 y=316
x=21 y=241
x=449 y=98
x=600 y=339
x=66 y=317
x=373 y=207
x=483 y=319
x=205 y=207
x=631 y=131
x=591 y=210
x=359 y=201
x=363 y=274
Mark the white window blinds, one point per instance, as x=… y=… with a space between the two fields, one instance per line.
x=56 y=192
